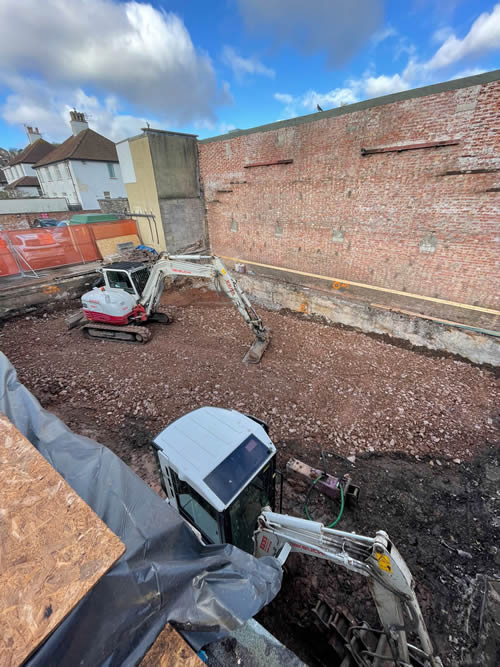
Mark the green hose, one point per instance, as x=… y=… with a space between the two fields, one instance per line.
x=306 y=507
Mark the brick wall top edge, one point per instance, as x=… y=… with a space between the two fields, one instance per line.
x=456 y=84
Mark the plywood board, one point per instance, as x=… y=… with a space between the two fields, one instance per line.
x=170 y=650
x=53 y=547
x=109 y=247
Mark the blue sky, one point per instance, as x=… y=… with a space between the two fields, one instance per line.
x=209 y=67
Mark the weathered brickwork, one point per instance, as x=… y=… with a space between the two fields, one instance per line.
x=411 y=220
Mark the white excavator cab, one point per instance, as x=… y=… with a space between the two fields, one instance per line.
x=129 y=276
x=218 y=469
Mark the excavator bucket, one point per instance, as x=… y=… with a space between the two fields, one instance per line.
x=257 y=349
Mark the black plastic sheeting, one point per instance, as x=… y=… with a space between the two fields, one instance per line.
x=165 y=575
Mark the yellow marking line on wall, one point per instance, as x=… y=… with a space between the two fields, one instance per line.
x=372 y=287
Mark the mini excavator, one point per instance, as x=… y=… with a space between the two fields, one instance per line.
x=131 y=294
x=218 y=471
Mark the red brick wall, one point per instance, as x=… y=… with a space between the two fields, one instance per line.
x=11 y=221
x=369 y=219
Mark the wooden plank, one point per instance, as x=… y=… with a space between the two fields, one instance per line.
x=109 y=247
x=372 y=287
x=53 y=547
x=170 y=650
x=266 y=164
x=409 y=147
x=462 y=172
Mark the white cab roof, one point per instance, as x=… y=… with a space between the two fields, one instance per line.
x=198 y=442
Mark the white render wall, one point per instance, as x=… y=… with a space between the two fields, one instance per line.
x=18 y=171
x=61 y=183
x=92 y=180
x=81 y=182
x=126 y=162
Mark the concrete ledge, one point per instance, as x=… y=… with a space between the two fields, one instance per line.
x=50 y=293
x=275 y=295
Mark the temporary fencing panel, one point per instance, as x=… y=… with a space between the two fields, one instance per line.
x=8 y=264
x=26 y=249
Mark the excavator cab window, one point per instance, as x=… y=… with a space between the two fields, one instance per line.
x=241 y=516
x=140 y=278
x=197 y=511
x=119 y=280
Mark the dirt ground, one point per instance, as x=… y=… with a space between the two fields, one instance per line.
x=423 y=431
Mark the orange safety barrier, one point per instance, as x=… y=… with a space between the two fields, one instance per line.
x=8 y=266
x=44 y=248
x=107 y=230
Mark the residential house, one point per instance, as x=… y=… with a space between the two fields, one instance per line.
x=84 y=168
x=21 y=178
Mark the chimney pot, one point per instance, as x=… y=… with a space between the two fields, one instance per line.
x=33 y=134
x=77 y=122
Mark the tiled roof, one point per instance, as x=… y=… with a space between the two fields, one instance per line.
x=87 y=145
x=33 y=152
x=26 y=181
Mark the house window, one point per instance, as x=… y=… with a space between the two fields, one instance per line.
x=66 y=170
x=39 y=174
x=48 y=174
x=58 y=172
x=111 y=170
x=107 y=195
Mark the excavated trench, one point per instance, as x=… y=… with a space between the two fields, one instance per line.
x=424 y=433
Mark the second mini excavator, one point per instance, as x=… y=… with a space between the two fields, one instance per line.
x=131 y=294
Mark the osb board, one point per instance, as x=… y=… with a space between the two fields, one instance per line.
x=109 y=247
x=53 y=547
x=170 y=650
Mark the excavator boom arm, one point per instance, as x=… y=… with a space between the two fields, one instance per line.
x=389 y=578
x=211 y=267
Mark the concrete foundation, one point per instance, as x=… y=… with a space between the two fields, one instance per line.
x=276 y=295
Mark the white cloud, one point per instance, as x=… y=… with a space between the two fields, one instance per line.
x=334 y=98
x=294 y=106
x=133 y=51
x=382 y=35
x=403 y=46
x=285 y=98
x=483 y=36
x=376 y=86
x=32 y=102
x=470 y=71
x=243 y=66
x=336 y=27
x=225 y=127
x=442 y=34
x=366 y=87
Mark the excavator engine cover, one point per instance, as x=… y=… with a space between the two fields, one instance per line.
x=108 y=305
